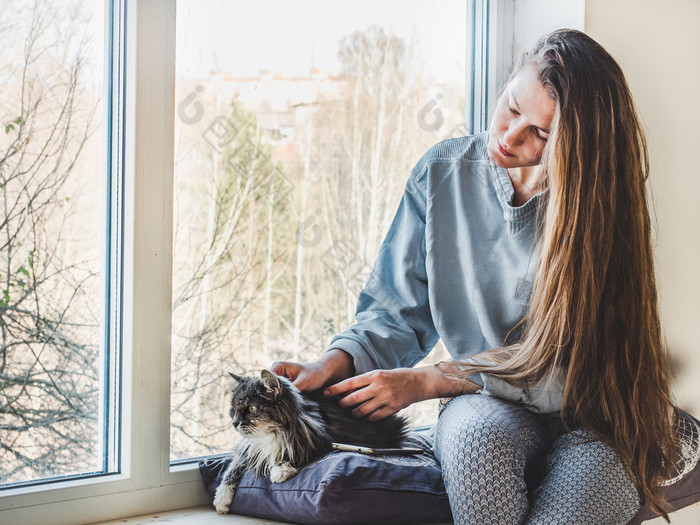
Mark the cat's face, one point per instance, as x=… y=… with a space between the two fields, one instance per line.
x=260 y=405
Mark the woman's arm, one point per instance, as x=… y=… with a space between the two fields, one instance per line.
x=393 y=321
x=333 y=366
x=380 y=393
x=394 y=327
x=375 y=394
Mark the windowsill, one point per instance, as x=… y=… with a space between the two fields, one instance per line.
x=98 y=484
x=194 y=516
x=207 y=515
x=93 y=500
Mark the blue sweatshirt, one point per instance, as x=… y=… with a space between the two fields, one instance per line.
x=457 y=264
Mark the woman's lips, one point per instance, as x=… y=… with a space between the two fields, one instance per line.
x=504 y=151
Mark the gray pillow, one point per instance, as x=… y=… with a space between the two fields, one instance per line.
x=344 y=488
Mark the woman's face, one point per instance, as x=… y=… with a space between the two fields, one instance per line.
x=521 y=122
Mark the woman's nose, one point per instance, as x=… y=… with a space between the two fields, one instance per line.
x=512 y=135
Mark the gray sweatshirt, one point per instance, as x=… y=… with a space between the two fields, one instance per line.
x=457 y=264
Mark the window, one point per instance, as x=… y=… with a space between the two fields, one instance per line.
x=56 y=383
x=152 y=275
x=294 y=137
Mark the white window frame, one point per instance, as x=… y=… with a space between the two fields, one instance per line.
x=146 y=481
x=491 y=46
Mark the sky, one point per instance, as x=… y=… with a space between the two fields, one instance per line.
x=243 y=37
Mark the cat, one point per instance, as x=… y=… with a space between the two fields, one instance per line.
x=283 y=430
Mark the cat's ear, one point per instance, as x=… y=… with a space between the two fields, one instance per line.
x=237 y=378
x=271 y=382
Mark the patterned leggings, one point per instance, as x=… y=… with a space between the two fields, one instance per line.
x=505 y=465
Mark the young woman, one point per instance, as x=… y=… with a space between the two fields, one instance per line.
x=527 y=250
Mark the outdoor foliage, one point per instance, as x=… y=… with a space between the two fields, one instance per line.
x=49 y=304
x=275 y=238
x=279 y=214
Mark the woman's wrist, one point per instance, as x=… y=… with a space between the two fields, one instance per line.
x=438 y=383
x=338 y=364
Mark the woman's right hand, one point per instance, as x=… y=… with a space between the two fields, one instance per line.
x=333 y=366
x=306 y=377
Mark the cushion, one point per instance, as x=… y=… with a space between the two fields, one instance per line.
x=344 y=488
x=684 y=489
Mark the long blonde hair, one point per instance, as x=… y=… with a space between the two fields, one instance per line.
x=593 y=315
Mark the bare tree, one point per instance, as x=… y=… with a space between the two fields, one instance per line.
x=49 y=311
x=270 y=256
x=368 y=141
x=370 y=144
x=227 y=263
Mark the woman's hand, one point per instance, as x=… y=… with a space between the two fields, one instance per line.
x=306 y=377
x=335 y=365
x=380 y=393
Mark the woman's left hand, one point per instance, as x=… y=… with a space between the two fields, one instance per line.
x=380 y=393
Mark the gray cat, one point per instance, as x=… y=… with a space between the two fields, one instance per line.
x=283 y=430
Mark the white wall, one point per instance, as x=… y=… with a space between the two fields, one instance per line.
x=658 y=46
x=535 y=18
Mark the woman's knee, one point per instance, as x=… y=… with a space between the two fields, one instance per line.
x=484 y=446
x=486 y=428
x=585 y=483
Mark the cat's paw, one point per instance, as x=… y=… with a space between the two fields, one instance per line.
x=223 y=498
x=279 y=473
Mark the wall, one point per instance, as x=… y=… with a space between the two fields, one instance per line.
x=657 y=44
x=534 y=18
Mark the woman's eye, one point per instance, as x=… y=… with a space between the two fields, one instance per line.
x=513 y=110
x=541 y=136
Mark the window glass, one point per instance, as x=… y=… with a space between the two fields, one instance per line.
x=297 y=125
x=52 y=224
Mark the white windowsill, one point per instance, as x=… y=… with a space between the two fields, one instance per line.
x=207 y=515
x=192 y=516
x=195 y=516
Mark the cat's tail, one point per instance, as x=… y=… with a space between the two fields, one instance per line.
x=389 y=432
x=343 y=427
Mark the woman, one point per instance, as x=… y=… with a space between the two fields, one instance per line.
x=527 y=250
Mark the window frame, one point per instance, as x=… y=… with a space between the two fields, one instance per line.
x=144 y=96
